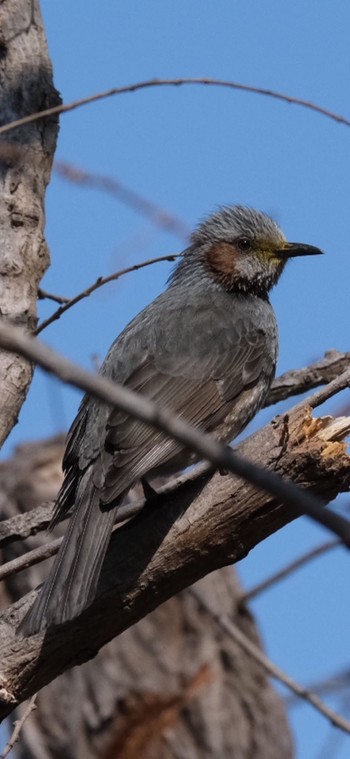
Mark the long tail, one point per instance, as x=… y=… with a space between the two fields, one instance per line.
x=72 y=582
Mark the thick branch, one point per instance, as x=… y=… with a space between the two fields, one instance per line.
x=287 y=385
x=204 y=525
x=25 y=164
x=206 y=447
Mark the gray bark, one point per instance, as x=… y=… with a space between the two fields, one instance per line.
x=26 y=155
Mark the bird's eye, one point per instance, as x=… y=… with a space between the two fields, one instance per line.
x=243 y=243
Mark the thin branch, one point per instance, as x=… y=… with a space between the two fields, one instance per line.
x=29 y=523
x=24 y=525
x=250 y=648
x=64 y=108
x=293 y=382
x=287 y=570
x=139 y=407
x=299 y=381
x=100 y=282
x=29 y=559
x=329 y=686
x=39 y=554
x=336 y=386
x=124 y=194
x=43 y=294
x=18 y=726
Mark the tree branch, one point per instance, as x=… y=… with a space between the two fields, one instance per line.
x=24 y=525
x=45 y=295
x=204 y=524
x=222 y=456
x=206 y=447
x=249 y=647
x=18 y=727
x=143 y=206
x=318 y=373
x=100 y=282
x=173 y=83
x=39 y=554
x=287 y=385
x=288 y=569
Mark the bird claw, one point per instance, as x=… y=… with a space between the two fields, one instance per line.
x=149 y=492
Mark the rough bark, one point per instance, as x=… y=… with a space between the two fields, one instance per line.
x=203 y=525
x=174 y=686
x=26 y=156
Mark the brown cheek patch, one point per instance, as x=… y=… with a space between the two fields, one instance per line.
x=221 y=258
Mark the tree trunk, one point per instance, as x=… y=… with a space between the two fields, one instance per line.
x=26 y=155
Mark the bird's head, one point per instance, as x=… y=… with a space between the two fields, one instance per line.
x=242 y=250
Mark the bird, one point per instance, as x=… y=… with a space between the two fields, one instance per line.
x=206 y=348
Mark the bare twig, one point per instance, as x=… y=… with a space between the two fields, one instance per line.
x=24 y=525
x=126 y=195
x=177 y=83
x=318 y=373
x=29 y=523
x=43 y=294
x=99 y=283
x=29 y=559
x=336 y=684
x=37 y=555
x=235 y=633
x=339 y=383
x=287 y=570
x=18 y=727
x=139 y=407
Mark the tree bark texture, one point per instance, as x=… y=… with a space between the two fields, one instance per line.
x=179 y=538
x=26 y=155
x=174 y=686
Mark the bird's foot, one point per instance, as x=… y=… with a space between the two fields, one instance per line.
x=149 y=492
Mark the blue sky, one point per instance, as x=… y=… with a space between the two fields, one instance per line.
x=190 y=149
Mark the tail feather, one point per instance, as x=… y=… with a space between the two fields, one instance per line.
x=73 y=579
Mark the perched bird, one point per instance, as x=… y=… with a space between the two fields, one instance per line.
x=206 y=348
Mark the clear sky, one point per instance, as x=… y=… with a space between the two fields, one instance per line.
x=190 y=149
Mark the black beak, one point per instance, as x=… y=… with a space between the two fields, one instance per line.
x=292 y=249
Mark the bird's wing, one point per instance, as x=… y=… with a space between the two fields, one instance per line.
x=75 y=437
x=197 y=364
x=197 y=381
